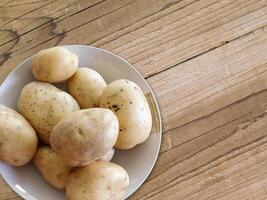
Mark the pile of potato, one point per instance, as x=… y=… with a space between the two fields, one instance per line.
x=77 y=131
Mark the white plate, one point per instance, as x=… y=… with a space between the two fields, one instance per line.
x=138 y=162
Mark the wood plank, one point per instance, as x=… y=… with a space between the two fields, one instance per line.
x=5 y=2
x=242 y=177
x=51 y=12
x=12 y=10
x=88 y=13
x=53 y=29
x=6 y=192
x=221 y=111
x=188 y=32
x=191 y=28
x=224 y=68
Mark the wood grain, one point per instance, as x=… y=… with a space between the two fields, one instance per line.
x=207 y=64
x=217 y=119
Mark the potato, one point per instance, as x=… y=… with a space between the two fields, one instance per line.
x=86 y=86
x=84 y=136
x=44 y=105
x=18 y=140
x=52 y=168
x=108 y=156
x=54 y=65
x=129 y=104
x=96 y=181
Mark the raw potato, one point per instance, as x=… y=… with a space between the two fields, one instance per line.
x=86 y=86
x=96 y=181
x=44 y=105
x=52 y=168
x=54 y=65
x=84 y=136
x=108 y=156
x=18 y=140
x=129 y=104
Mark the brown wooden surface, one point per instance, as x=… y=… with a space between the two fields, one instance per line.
x=206 y=61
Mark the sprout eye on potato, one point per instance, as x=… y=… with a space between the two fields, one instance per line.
x=53 y=169
x=129 y=104
x=18 y=140
x=44 y=105
x=96 y=181
x=84 y=136
x=86 y=86
x=54 y=65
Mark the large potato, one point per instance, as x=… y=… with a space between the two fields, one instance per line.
x=96 y=181
x=86 y=86
x=18 y=140
x=84 y=136
x=44 y=105
x=54 y=65
x=129 y=104
x=52 y=168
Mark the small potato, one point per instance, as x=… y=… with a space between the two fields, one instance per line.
x=44 y=105
x=52 y=168
x=129 y=104
x=54 y=65
x=96 y=181
x=108 y=156
x=18 y=140
x=86 y=86
x=85 y=136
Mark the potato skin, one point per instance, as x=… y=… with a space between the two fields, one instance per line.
x=52 y=168
x=108 y=156
x=98 y=180
x=84 y=136
x=44 y=105
x=54 y=65
x=86 y=86
x=18 y=140
x=129 y=104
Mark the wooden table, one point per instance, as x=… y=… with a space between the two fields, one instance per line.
x=207 y=64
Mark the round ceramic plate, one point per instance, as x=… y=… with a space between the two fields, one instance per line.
x=138 y=162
